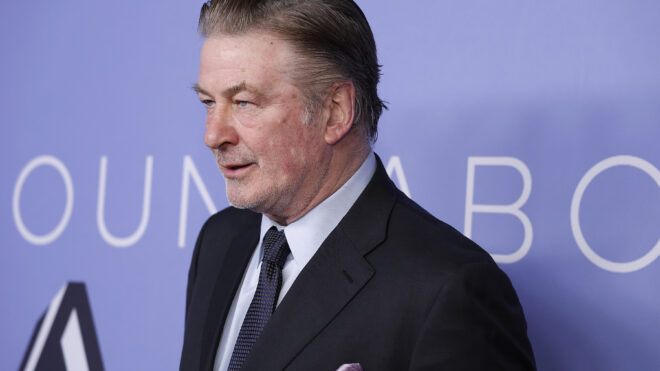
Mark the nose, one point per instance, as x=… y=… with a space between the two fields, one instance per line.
x=220 y=131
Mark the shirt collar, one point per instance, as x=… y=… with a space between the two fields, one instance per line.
x=306 y=234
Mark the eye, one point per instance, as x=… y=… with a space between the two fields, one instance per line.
x=243 y=103
x=208 y=102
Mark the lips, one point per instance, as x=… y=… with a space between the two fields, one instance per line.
x=235 y=167
x=235 y=170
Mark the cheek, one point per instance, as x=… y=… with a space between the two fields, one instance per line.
x=288 y=155
x=290 y=158
x=246 y=120
x=291 y=148
x=277 y=153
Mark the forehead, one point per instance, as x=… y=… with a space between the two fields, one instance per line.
x=255 y=58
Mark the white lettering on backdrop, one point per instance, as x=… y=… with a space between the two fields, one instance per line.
x=395 y=170
x=146 y=202
x=190 y=171
x=601 y=262
x=512 y=209
x=68 y=208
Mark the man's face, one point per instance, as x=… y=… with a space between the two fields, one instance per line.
x=271 y=162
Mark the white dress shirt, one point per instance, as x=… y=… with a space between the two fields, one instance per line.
x=304 y=237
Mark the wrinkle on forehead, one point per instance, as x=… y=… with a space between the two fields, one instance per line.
x=273 y=58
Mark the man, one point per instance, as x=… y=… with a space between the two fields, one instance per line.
x=321 y=262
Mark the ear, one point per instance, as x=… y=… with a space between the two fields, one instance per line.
x=341 y=107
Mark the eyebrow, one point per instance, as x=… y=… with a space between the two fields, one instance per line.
x=199 y=90
x=233 y=90
x=227 y=93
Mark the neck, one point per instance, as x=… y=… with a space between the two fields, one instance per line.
x=344 y=159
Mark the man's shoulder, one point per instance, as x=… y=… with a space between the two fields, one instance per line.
x=411 y=234
x=438 y=244
x=229 y=221
x=232 y=216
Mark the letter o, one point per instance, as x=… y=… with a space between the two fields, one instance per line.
x=601 y=262
x=55 y=233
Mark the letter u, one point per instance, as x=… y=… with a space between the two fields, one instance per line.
x=146 y=202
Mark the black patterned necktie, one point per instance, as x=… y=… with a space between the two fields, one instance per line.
x=263 y=303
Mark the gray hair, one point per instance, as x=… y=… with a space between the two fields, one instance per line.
x=333 y=37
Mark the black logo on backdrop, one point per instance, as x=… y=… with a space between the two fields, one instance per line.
x=64 y=338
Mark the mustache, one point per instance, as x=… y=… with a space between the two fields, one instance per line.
x=233 y=157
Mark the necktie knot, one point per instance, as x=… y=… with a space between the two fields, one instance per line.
x=276 y=249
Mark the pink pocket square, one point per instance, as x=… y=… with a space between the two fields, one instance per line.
x=350 y=367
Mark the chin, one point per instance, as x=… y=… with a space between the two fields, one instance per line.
x=260 y=198
x=242 y=201
x=239 y=202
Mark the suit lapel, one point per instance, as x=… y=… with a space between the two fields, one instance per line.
x=333 y=276
x=241 y=246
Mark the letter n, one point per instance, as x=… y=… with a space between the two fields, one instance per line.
x=190 y=172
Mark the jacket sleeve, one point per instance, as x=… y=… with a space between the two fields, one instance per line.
x=475 y=323
x=192 y=271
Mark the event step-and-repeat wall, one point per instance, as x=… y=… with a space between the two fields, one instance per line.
x=531 y=126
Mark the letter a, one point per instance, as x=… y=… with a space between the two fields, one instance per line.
x=394 y=166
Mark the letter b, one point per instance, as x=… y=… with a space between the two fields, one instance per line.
x=512 y=209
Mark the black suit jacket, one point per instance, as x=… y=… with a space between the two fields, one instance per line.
x=391 y=288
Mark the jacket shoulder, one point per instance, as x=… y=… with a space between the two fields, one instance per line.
x=420 y=233
x=220 y=229
x=230 y=216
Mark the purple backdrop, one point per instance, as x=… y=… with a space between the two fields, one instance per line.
x=531 y=126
